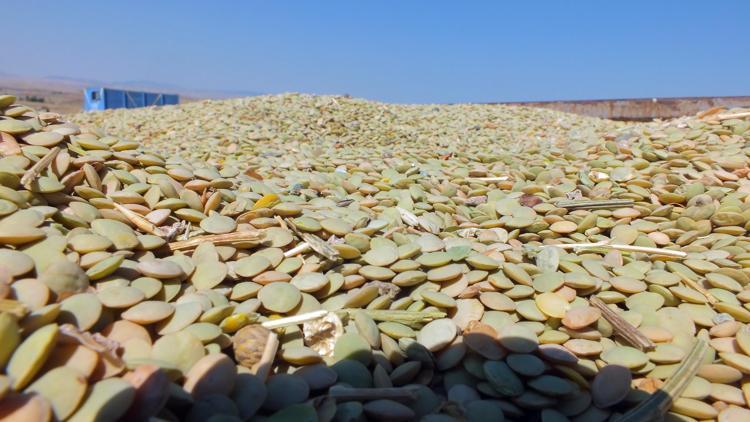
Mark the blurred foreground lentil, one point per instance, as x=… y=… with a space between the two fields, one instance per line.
x=310 y=258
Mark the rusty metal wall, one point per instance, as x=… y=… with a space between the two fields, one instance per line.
x=641 y=108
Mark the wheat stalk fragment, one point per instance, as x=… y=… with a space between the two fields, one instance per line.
x=622 y=327
x=250 y=238
x=654 y=407
x=628 y=248
x=594 y=204
x=31 y=174
x=139 y=221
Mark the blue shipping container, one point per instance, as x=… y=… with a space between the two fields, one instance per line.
x=105 y=98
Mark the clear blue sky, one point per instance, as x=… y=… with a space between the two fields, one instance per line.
x=400 y=51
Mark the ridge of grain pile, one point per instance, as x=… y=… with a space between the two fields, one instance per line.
x=476 y=262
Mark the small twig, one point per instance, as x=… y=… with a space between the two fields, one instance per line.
x=487 y=179
x=281 y=221
x=31 y=174
x=301 y=247
x=410 y=318
x=594 y=204
x=710 y=112
x=739 y=115
x=263 y=367
x=644 y=249
x=186 y=234
x=228 y=239
x=622 y=327
x=140 y=221
x=408 y=393
x=655 y=406
x=697 y=287
x=294 y=320
x=629 y=248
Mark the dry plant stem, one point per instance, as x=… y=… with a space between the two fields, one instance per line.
x=300 y=248
x=294 y=320
x=488 y=179
x=139 y=221
x=410 y=318
x=281 y=221
x=741 y=115
x=360 y=394
x=644 y=249
x=710 y=112
x=654 y=407
x=697 y=287
x=623 y=328
x=217 y=239
x=629 y=248
x=594 y=204
x=263 y=367
x=31 y=174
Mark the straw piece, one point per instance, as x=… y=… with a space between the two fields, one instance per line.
x=294 y=320
x=488 y=179
x=622 y=327
x=697 y=287
x=740 y=115
x=228 y=239
x=139 y=221
x=654 y=407
x=594 y=204
x=629 y=248
x=31 y=174
x=263 y=367
x=300 y=248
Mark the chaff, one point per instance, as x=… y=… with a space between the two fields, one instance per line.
x=628 y=248
x=244 y=238
x=31 y=174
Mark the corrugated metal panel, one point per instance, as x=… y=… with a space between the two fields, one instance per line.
x=135 y=99
x=171 y=99
x=153 y=99
x=114 y=98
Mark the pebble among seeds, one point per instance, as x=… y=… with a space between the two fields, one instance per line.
x=138 y=261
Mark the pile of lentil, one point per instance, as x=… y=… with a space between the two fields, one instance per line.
x=445 y=263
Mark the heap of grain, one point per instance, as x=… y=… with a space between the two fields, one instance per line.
x=321 y=258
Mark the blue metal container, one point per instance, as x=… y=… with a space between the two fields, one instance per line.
x=97 y=98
